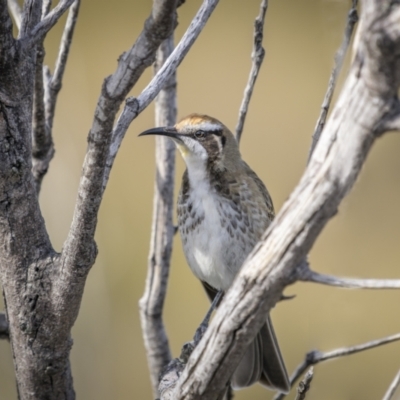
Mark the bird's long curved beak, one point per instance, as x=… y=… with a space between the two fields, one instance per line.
x=169 y=131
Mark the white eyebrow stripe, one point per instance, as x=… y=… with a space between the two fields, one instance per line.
x=209 y=126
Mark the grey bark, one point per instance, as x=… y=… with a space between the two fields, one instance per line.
x=42 y=289
x=162 y=232
x=367 y=106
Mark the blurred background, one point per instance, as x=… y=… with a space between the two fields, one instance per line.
x=301 y=36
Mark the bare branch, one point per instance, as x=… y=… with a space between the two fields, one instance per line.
x=152 y=302
x=393 y=387
x=4 y=334
x=46 y=6
x=366 y=98
x=339 y=59
x=307 y=275
x=42 y=143
x=16 y=12
x=56 y=81
x=6 y=40
x=79 y=251
x=134 y=106
x=304 y=385
x=315 y=356
x=257 y=57
x=31 y=37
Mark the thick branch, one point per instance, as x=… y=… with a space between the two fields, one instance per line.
x=134 y=106
x=257 y=57
x=79 y=250
x=315 y=356
x=6 y=38
x=339 y=59
x=366 y=99
x=152 y=302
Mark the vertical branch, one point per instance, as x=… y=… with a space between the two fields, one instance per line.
x=152 y=302
x=340 y=55
x=47 y=88
x=56 y=81
x=257 y=58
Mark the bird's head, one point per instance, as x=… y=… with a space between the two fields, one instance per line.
x=201 y=139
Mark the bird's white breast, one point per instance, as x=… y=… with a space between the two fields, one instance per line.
x=212 y=253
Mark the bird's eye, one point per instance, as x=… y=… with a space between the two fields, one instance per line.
x=199 y=134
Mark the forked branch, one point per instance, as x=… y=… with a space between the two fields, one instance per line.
x=314 y=357
x=365 y=101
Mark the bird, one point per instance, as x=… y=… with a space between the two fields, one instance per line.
x=223 y=210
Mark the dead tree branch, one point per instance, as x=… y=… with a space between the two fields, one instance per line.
x=152 y=303
x=47 y=89
x=314 y=357
x=133 y=105
x=307 y=275
x=339 y=59
x=392 y=388
x=369 y=94
x=257 y=57
x=304 y=385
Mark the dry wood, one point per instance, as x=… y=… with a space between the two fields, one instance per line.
x=369 y=97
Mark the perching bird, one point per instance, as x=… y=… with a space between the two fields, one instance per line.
x=223 y=210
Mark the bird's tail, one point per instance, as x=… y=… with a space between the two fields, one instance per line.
x=262 y=362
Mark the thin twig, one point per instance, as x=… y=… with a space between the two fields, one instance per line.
x=134 y=106
x=340 y=55
x=315 y=356
x=56 y=81
x=152 y=303
x=351 y=283
x=4 y=334
x=304 y=385
x=257 y=57
x=16 y=12
x=393 y=387
x=40 y=30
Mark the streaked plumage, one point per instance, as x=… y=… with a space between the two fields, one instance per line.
x=223 y=210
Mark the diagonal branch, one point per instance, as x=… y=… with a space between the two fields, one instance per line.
x=134 y=106
x=314 y=357
x=152 y=303
x=79 y=251
x=46 y=98
x=393 y=387
x=304 y=385
x=33 y=36
x=366 y=98
x=56 y=80
x=339 y=59
x=257 y=57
